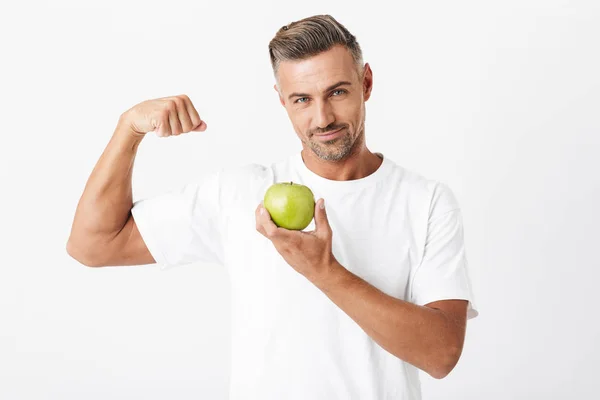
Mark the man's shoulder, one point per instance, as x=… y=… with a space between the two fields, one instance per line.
x=244 y=183
x=253 y=173
x=244 y=172
x=413 y=181
x=425 y=191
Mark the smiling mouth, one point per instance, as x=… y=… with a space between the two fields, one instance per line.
x=329 y=133
x=331 y=136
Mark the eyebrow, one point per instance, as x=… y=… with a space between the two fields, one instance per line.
x=295 y=94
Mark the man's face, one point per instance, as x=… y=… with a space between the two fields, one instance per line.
x=323 y=94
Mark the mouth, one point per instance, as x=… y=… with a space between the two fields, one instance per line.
x=330 y=135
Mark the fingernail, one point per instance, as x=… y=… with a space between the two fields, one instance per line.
x=262 y=211
x=322 y=206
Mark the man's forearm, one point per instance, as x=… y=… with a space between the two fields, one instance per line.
x=424 y=337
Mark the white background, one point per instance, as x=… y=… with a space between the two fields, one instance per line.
x=498 y=99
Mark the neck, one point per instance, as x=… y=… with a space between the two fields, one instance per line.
x=359 y=164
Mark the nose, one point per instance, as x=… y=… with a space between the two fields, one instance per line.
x=324 y=115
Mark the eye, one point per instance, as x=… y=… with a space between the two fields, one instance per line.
x=298 y=100
x=339 y=90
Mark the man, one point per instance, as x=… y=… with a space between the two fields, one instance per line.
x=350 y=308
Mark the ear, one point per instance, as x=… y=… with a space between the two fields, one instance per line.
x=367 y=82
x=280 y=98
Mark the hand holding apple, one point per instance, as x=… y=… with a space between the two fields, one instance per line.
x=309 y=253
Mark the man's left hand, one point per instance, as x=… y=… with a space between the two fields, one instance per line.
x=309 y=253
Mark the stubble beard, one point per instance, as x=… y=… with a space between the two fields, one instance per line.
x=340 y=148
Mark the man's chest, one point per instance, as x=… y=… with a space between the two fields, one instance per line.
x=375 y=243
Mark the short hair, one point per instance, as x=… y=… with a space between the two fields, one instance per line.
x=310 y=36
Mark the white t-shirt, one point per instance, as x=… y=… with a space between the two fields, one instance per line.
x=395 y=229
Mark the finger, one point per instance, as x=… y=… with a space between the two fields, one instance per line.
x=272 y=231
x=182 y=113
x=163 y=128
x=259 y=226
x=200 y=128
x=176 y=128
x=322 y=227
x=197 y=123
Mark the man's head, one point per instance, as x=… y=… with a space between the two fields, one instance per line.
x=322 y=83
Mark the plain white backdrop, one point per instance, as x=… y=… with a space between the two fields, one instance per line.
x=500 y=100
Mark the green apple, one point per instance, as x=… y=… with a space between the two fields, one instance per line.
x=291 y=205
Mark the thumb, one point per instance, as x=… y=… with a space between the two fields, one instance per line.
x=321 y=221
x=200 y=128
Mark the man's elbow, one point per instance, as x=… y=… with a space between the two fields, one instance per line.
x=79 y=256
x=446 y=363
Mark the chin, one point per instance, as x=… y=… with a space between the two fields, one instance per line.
x=330 y=153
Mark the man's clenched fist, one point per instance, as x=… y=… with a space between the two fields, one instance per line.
x=167 y=116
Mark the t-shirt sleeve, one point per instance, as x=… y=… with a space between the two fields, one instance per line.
x=185 y=225
x=443 y=271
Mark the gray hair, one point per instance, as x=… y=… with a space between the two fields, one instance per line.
x=310 y=36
